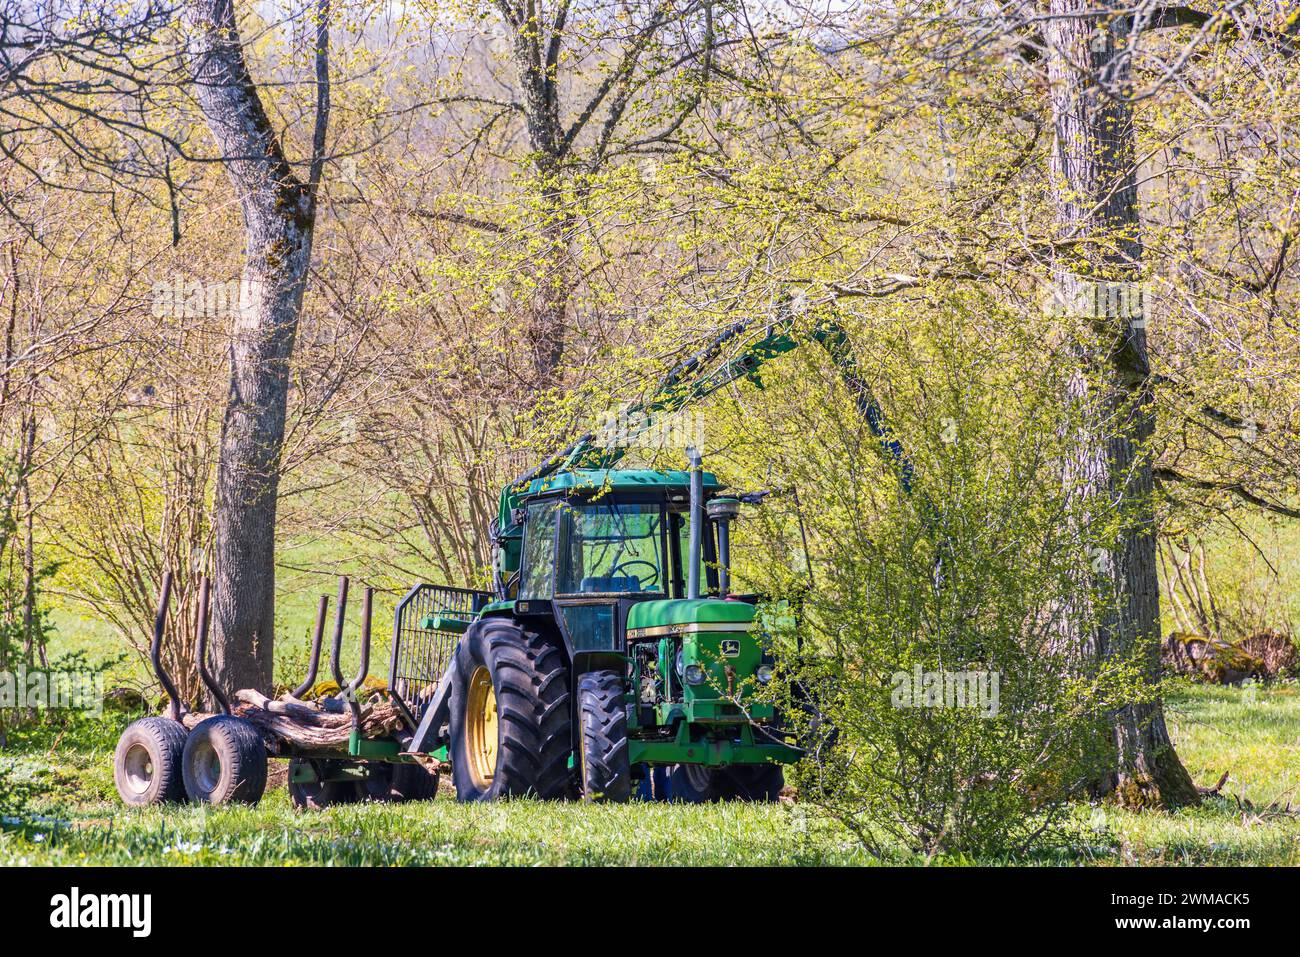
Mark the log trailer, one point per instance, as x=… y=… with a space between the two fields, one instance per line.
x=610 y=659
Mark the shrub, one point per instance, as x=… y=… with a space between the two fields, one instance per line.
x=964 y=722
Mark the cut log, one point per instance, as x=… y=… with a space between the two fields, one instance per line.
x=290 y=726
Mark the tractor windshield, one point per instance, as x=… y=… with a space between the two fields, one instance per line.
x=610 y=548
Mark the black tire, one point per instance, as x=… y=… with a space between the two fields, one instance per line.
x=761 y=783
x=529 y=681
x=414 y=782
x=147 y=762
x=318 y=795
x=606 y=774
x=224 y=762
x=694 y=784
x=397 y=783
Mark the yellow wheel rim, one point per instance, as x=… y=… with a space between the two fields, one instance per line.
x=481 y=728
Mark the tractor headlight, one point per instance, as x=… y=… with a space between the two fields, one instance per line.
x=694 y=675
x=763 y=673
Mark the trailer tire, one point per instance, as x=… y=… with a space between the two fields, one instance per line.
x=224 y=762
x=509 y=718
x=318 y=795
x=760 y=783
x=147 y=762
x=603 y=755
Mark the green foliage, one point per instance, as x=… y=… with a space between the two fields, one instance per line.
x=15 y=794
x=974 y=577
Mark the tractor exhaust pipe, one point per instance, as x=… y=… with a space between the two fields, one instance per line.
x=697 y=521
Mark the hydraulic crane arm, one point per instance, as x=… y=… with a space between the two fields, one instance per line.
x=682 y=386
x=685 y=384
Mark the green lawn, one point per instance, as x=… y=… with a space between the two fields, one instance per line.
x=1254 y=734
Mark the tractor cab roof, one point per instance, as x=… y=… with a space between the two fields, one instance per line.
x=616 y=481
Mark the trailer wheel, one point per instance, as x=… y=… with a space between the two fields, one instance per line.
x=606 y=774
x=509 y=714
x=224 y=762
x=318 y=795
x=147 y=762
x=760 y=783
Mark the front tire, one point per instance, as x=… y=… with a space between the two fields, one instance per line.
x=398 y=783
x=509 y=714
x=694 y=784
x=606 y=773
x=224 y=762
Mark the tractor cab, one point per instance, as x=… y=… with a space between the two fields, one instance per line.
x=597 y=542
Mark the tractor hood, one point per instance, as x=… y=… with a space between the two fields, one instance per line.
x=713 y=614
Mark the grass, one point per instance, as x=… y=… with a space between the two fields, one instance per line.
x=1253 y=733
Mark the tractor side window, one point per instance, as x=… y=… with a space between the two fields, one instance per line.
x=709 y=570
x=611 y=549
x=709 y=567
x=539 y=551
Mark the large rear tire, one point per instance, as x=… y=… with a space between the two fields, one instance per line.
x=147 y=762
x=509 y=715
x=224 y=762
x=606 y=773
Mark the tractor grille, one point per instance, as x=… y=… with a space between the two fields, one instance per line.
x=422 y=642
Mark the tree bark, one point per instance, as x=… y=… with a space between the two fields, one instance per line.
x=536 y=61
x=279 y=215
x=1093 y=166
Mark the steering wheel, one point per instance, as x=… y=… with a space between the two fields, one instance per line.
x=636 y=561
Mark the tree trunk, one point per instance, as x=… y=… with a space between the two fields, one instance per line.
x=1096 y=201
x=279 y=215
x=536 y=63
x=552 y=276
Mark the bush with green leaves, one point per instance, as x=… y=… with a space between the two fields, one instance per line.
x=963 y=721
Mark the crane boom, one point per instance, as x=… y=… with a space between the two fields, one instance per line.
x=684 y=384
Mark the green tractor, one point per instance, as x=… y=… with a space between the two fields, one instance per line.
x=619 y=646
x=612 y=656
